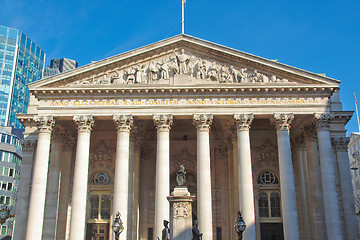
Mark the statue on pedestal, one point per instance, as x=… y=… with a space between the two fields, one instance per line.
x=166 y=231
x=181 y=176
x=196 y=233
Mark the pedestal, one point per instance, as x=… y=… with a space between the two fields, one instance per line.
x=181 y=214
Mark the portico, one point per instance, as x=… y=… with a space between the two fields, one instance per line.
x=236 y=130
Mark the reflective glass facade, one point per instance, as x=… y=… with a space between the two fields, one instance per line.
x=10 y=166
x=21 y=63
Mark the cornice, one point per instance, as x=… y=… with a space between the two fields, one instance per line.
x=254 y=89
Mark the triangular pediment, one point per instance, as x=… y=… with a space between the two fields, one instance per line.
x=182 y=61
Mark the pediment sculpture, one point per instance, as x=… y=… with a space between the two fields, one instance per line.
x=179 y=64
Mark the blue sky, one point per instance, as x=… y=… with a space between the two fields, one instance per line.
x=318 y=36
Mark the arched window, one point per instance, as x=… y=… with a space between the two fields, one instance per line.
x=100 y=179
x=268 y=196
x=267 y=178
x=269 y=208
x=263 y=204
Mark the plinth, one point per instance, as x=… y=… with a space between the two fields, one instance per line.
x=181 y=214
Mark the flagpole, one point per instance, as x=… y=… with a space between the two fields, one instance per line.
x=183 y=2
x=357 y=113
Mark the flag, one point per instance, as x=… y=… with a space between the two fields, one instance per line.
x=355 y=99
x=183 y=2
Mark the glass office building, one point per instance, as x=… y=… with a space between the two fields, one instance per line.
x=21 y=63
x=10 y=164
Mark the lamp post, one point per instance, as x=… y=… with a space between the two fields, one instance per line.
x=117 y=226
x=239 y=225
x=355 y=198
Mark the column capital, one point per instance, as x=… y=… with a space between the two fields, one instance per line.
x=340 y=143
x=84 y=122
x=58 y=133
x=163 y=122
x=322 y=120
x=243 y=121
x=123 y=123
x=44 y=123
x=202 y=121
x=28 y=145
x=282 y=121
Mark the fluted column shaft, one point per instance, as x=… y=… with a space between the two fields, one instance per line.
x=120 y=202
x=62 y=217
x=39 y=179
x=204 y=202
x=340 y=145
x=328 y=178
x=316 y=196
x=54 y=178
x=288 y=197
x=28 y=147
x=246 y=190
x=80 y=183
x=162 y=206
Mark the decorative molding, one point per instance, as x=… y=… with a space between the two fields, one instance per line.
x=69 y=143
x=58 y=133
x=202 y=121
x=183 y=157
x=163 y=122
x=340 y=143
x=101 y=152
x=28 y=145
x=243 y=121
x=322 y=120
x=266 y=152
x=181 y=209
x=44 y=123
x=282 y=121
x=84 y=122
x=123 y=123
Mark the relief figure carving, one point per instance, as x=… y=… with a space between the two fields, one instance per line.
x=164 y=70
x=183 y=60
x=201 y=70
x=213 y=72
x=153 y=72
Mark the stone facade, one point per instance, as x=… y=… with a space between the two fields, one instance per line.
x=253 y=135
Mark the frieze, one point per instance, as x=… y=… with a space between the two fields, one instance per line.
x=186 y=102
x=266 y=152
x=179 y=64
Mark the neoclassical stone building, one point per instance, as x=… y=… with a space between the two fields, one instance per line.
x=253 y=134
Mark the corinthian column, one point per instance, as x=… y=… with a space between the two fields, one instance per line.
x=39 y=179
x=22 y=206
x=162 y=207
x=340 y=144
x=203 y=122
x=246 y=192
x=328 y=177
x=288 y=198
x=54 y=178
x=120 y=204
x=80 y=183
